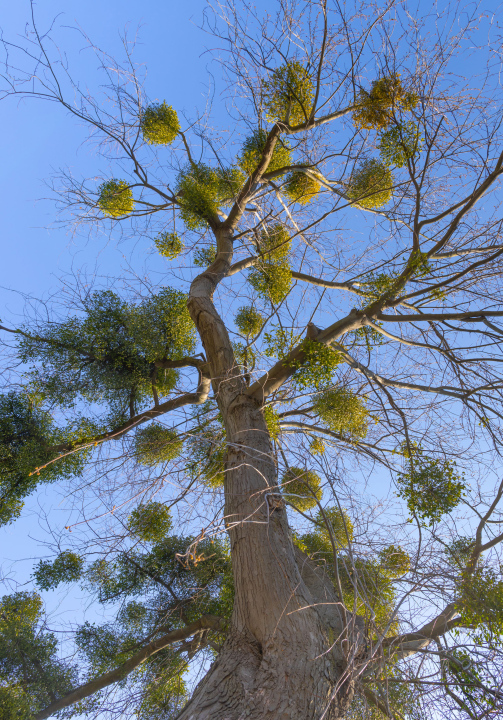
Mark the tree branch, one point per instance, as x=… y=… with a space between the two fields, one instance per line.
x=197 y=398
x=93 y=686
x=410 y=643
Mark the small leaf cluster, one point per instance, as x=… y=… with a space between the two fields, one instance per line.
x=459 y=551
x=244 y=356
x=400 y=144
x=468 y=678
x=66 y=567
x=371 y=185
x=252 y=150
x=370 y=336
x=159 y=124
x=169 y=245
x=375 y=109
x=155 y=444
x=419 y=264
x=272 y=276
x=394 y=561
x=208 y=448
x=332 y=523
x=151 y=522
x=317 y=446
x=272 y=421
x=115 y=198
x=343 y=412
x=301 y=188
x=403 y=698
x=249 y=321
x=301 y=488
x=318 y=368
x=378 y=286
x=288 y=94
x=201 y=191
x=280 y=342
x=430 y=487
x=203 y=257
x=480 y=602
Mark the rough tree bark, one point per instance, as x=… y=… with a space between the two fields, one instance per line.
x=284 y=656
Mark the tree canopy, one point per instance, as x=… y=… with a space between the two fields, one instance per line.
x=285 y=444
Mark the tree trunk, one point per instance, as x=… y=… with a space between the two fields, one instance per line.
x=282 y=659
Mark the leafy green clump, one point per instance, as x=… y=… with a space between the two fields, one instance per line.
x=151 y=522
x=249 y=321
x=470 y=681
x=394 y=561
x=331 y=523
x=230 y=182
x=430 y=487
x=280 y=342
x=272 y=421
x=317 y=446
x=480 y=603
x=301 y=188
x=288 y=94
x=169 y=245
x=371 y=185
x=400 y=144
x=366 y=583
x=340 y=524
x=378 y=286
x=459 y=551
x=370 y=336
x=108 y=354
x=272 y=281
x=25 y=649
x=159 y=124
x=403 y=698
x=319 y=365
x=197 y=189
x=419 y=263
x=208 y=447
x=272 y=276
x=202 y=190
x=155 y=444
x=343 y=412
x=244 y=356
x=116 y=198
x=301 y=488
x=253 y=147
x=165 y=694
x=376 y=108
x=66 y=567
x=203 y=257
x=28 y=441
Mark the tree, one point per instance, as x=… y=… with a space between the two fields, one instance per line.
x=341 y=322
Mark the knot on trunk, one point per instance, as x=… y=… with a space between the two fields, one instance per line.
x=275 y=501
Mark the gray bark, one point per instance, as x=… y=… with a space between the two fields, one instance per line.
x=283 y=658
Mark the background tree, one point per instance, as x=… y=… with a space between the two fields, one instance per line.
x=329 y=314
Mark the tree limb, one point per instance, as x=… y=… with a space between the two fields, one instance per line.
x=93 y=686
